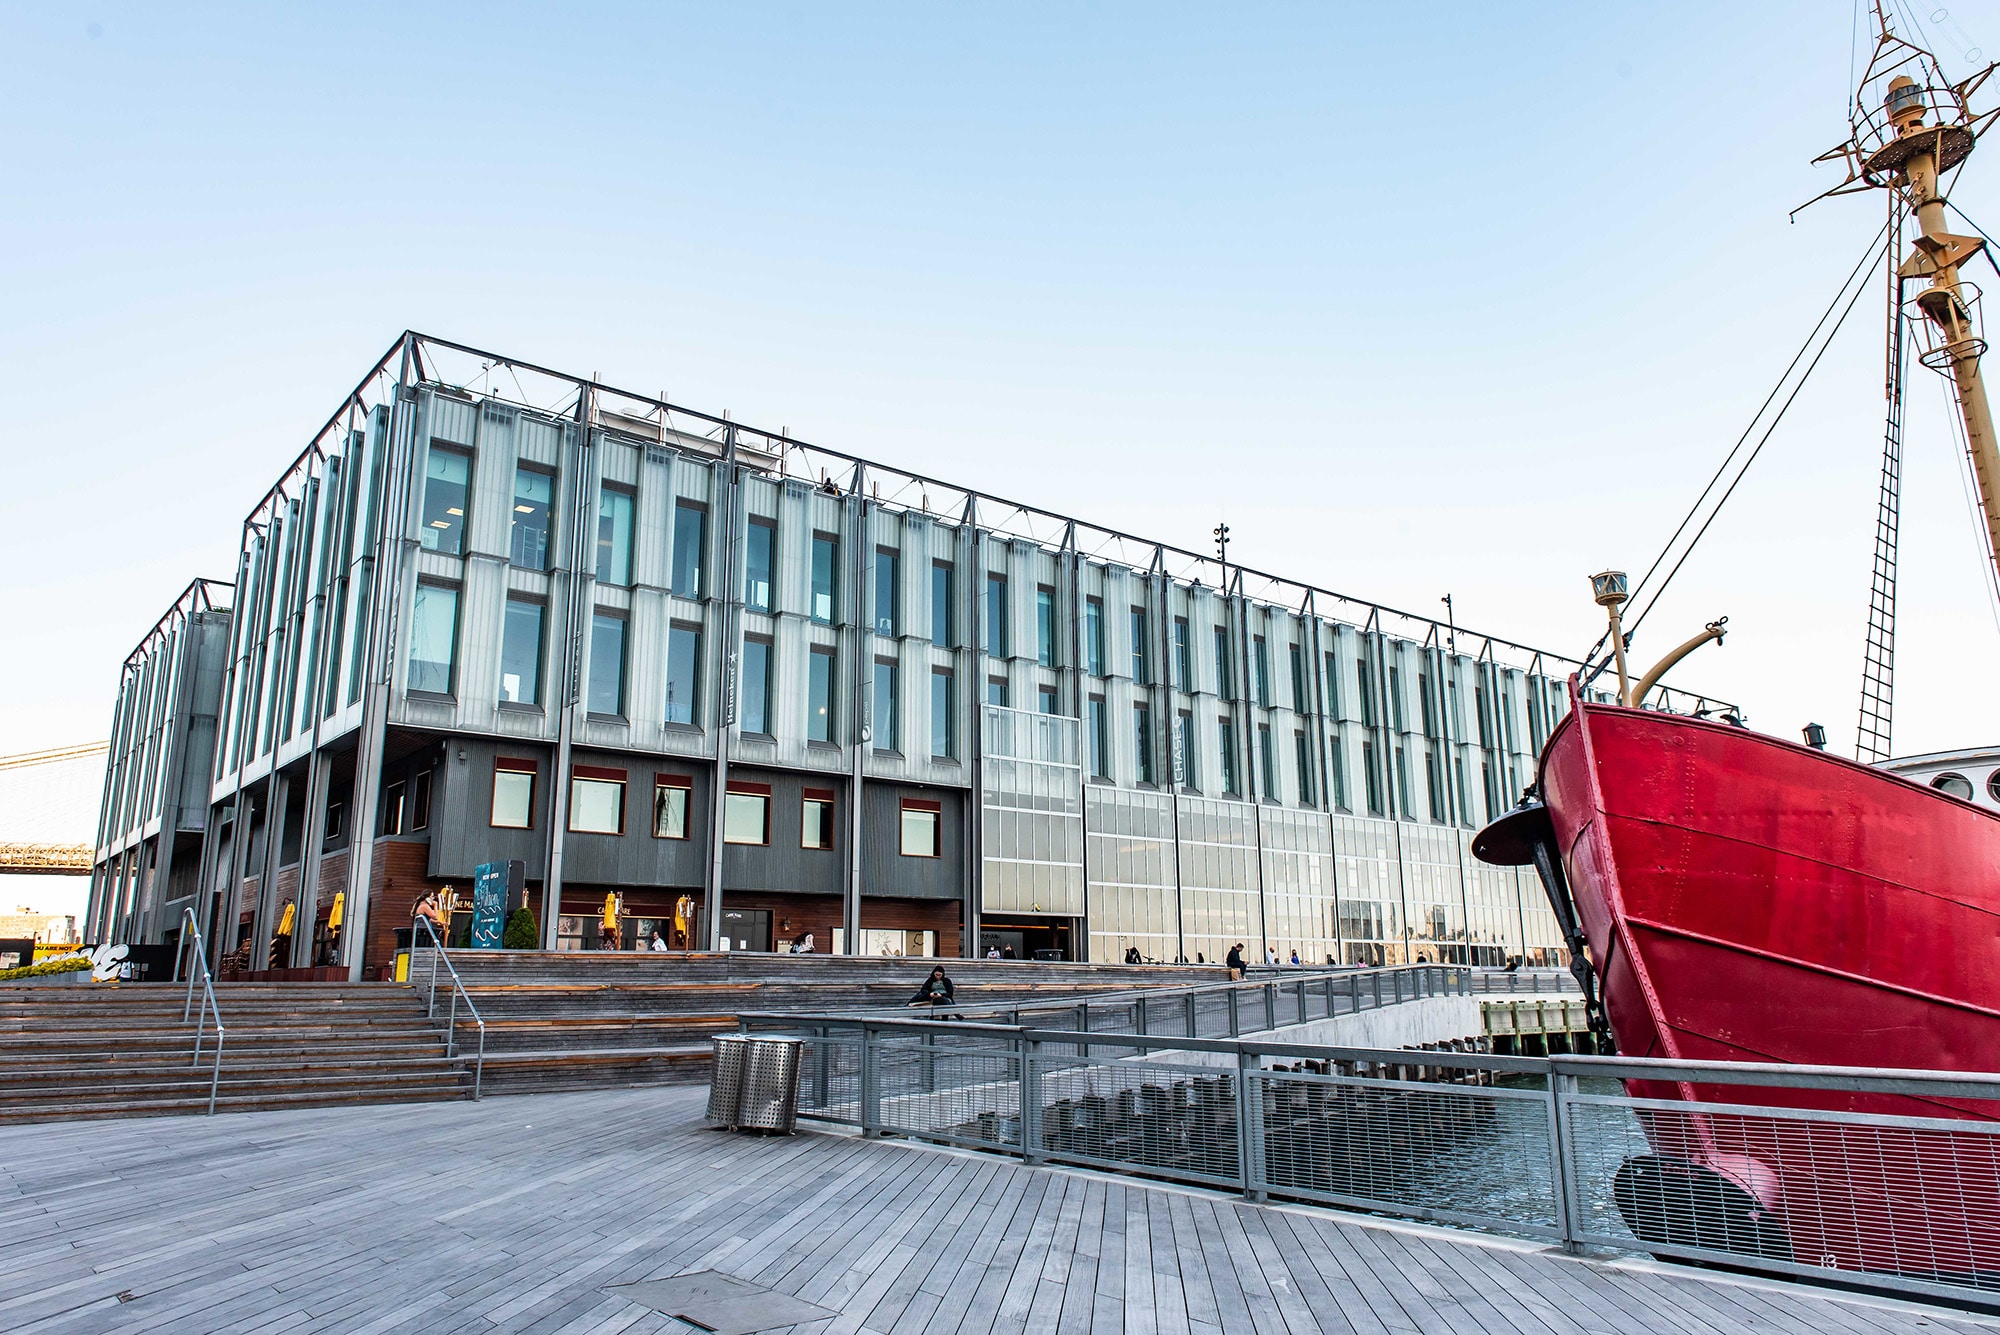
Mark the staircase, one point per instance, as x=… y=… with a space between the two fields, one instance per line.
x=576 y=1020
x=125 y=1051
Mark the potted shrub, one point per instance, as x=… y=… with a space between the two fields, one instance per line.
x=520 y=932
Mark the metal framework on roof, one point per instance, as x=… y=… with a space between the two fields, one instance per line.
x=202 y=595
x=423 y=359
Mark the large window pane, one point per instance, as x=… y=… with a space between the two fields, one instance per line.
x=819 y=696
x=760 y=563
x=1223 y=676
x=941 y=605
x=690 y=543
x=996 y=615
x=920 y=832
x=944 y=741
x=746 y=818
x=886 y=588
x=607 y=664
x=528 y=547
x=1261 y=652
x=614 y=537
x=1226 y=734
x=754 y=690
x=825 y=573
x=816 y=823
x=1045 y=626
x=1093 y=636
x=1142 y=658
x=596 y=806
x=434 y=639
x=683 y=675
x=670 y=811
x=1142 y=731
x=1095 y=737
x=1185 y=772
x=886 y=712
x=521 y=653
x=445 y=478
x=513 y=799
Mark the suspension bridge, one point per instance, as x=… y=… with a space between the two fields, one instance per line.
x=48 y=809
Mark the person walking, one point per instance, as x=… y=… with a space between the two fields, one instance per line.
x=936 y=991
x=1234 y=959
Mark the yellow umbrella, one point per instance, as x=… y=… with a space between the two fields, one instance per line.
x=285 y=923
x=611 y=913
x=338 y=911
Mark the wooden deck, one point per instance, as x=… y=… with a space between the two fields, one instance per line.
x=525 y=1213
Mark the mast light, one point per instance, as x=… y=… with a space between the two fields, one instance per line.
x=1608 y=588
x=1905 y=102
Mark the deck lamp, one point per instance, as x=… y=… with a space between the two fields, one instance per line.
x=1608 y=589
x=1815 y=736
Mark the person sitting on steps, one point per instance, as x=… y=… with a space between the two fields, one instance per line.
x=936 y=991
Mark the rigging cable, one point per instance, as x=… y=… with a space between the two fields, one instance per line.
x=1867 y=257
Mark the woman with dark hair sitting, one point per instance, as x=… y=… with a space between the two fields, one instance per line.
x=936 y=991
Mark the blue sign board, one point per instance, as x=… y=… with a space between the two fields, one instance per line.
x=489 y=905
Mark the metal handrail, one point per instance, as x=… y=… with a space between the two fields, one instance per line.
x=207 y=1006
x=457 y=991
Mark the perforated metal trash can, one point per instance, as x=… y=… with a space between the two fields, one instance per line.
x=771 y=1084
x=725 y=1085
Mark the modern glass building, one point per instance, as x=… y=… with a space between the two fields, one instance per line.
x=756 y=689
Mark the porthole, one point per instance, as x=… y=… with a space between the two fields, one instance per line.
x=1993 y=785
x=1954 y=785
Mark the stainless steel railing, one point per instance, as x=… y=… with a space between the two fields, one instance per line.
x=1886 y=1178
x=192 y=937
x=457 y=992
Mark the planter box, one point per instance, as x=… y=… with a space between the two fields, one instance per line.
x=74 y=978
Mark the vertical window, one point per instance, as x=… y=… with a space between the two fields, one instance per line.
x=445 y=477
x=528 y=543
x=1226 y=735
x=596 y=800
x=885 y=706
x=1332 y=706
x=1267 y=763
x=753 y=690
x=1142 y=657
x=1185 y=772
x=760 y=563
x=683 y=674
x=1301 y=697
x=1339 y=778
x=336 y=819
x=1045 y=626
x=1047 y=699
x=1261 y=653
x=825 y=575
x=1095 y=738
x=1396 y=698
x=521 y=653
x=690 y=546
x=393 y=799
x=886 y=588
x=420 y=800
x=513 y=805
x=607 y=664
x=941 y=604
x=1142 y=729
x=1365 y=681
x=944 y=713
x=746 y=814
x=670 y=805
x=996 y=615
x=434 y=639
x=1183 y=658
x=816 y=819
x=1224 y=678
x=614 y=536
x=1302 y=754
x=1371 y=772
x=920 y=828
x=1093 y=636
x=996 y=691
x=819 y=695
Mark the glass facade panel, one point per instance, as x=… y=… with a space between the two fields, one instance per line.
x=1046 y=698
x=996 y=691
x=434 y=639
x=683 y=675
x=1261 y=653
x=1267 y=764
x=760 y=564
x=1031 y=813
x=887 y=714
x=1133 y=900
x=607 y=664
x=887 y=587
x=825 y=576
x=944 y=707
x=1142 y=648
x=1095 y=739
x=819 y=695
x=1045 y=626
x=996 y=616
x=1224 y=678
x=1142 y=733
x=521 y=653
x=1219 y=878
x=690 y=547
x=446 y=476
x=1226 y=738
x=942 y=625
x=1302 y=760
x=1186 y=773
x=1183 y=656
x=754 y=690
x=614 y=537
x=528 y=542
x=1093 y=636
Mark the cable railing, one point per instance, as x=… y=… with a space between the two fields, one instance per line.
x=200 y=954
x=457 y=991
x=1212 y=1010
x=1883 y=1178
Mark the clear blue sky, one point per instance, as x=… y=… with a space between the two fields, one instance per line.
x=1460 y=298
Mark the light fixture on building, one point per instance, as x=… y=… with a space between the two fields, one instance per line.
x=1815 y=736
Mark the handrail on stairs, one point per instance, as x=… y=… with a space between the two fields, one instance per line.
x=207 y=1006
x=457 y=991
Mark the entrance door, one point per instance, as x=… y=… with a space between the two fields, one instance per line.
x=746 y=929
x=1029 y=938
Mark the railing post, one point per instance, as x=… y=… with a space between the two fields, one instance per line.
x=1568 y=1197
x=1375 y=977
x=1251 y=1169
x=871 y=1091
x=819 y=1068
x=1027 y=1064
x=1193 y=1017
x=1270 y=1006
x=1235 y=1021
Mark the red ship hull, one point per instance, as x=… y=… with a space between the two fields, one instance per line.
x=1749 y=900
